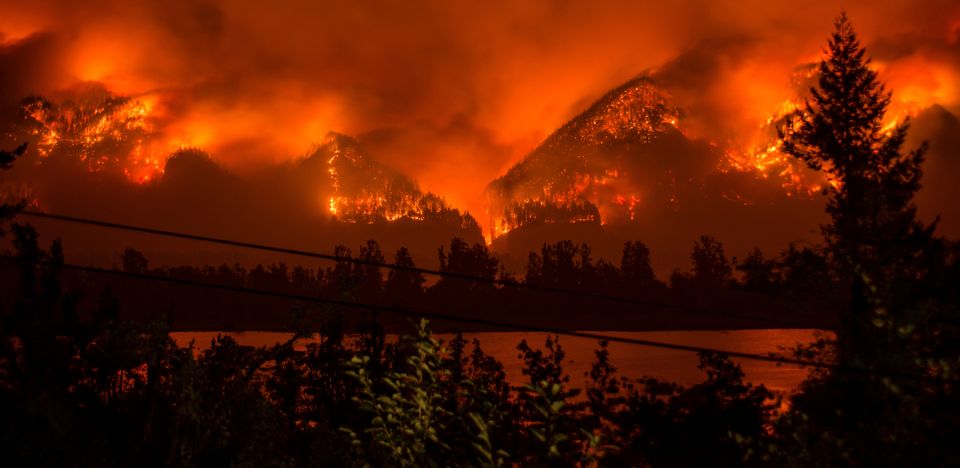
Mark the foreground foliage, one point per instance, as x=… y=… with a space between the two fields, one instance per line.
x=101 y=391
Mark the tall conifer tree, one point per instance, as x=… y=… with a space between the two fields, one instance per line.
x=875 y=237
x=892 y=411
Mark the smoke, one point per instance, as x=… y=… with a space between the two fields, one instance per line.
x=450 y=93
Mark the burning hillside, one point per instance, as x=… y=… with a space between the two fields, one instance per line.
x=627 y=150
x=630 y=153
x=95 y=128
x=112 y=149
x=573 y=171
x=361 y=190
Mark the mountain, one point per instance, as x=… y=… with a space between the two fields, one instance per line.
x=104 y=148
x=572 y=170
x=359 y=189
x=940 y=128
x=625 y=168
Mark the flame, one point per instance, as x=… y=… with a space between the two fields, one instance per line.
x=629 y=202
x=766 y=159
x=366 y=192
x=573 y=187
x=585 y=196
x=284 y=109
x=113 y=132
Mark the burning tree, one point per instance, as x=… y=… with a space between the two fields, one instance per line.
x=96 y=128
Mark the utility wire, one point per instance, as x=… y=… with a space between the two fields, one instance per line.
x=412 y=269
x=490 y=323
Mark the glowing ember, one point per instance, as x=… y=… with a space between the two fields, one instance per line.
x=363 y=191
x=766 y=160
x=105 y=132
x=577 y=175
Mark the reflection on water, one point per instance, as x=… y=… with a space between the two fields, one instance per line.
x=632 y=361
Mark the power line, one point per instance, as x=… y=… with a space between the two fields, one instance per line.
x=484 y=322
x=412 y=269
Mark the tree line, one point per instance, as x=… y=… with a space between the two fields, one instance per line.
x=797 y=288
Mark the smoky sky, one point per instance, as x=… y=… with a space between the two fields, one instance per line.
x=261 y=81
x=453 y=93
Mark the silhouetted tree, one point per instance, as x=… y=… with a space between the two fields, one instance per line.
x=605 y=278
x=133 y=261
x=710 y=265
x=466 y=260
x=805 y=271
x=660 y=421
x=635 y=266
x=874 y=235
x=230 y=276
x=369 y=278
x=890 y=261
x=339 y=280
x=561 y=265
x=303 y=280
x=759 y=274
x=404 y=285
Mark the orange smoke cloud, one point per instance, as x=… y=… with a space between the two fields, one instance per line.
x=450 y=93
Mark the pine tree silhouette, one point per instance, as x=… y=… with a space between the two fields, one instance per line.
x=875 y=237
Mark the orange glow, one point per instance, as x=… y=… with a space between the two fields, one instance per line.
x=111 y=132
x=256 y=86
x=919 y=82
x=18 y=24
x=380 y=194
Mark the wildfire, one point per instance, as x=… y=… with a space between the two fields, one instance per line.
x=112 y=133
x=363 y=204
x=363 y=191
x=766 y=159
x=581 y=173
x=637 y=111
x=545 y=211
x=769 y=162
x=629 y=202
x=573 y=176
